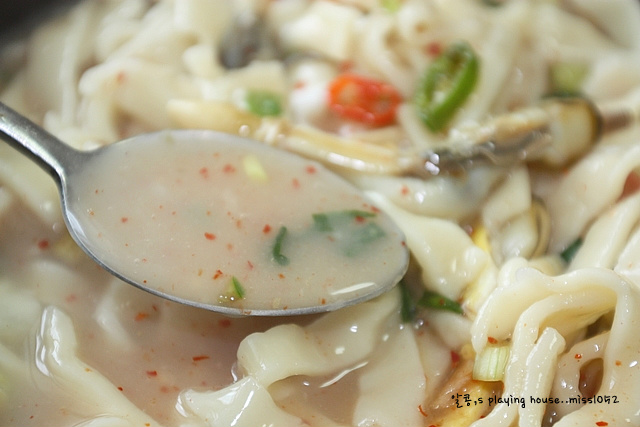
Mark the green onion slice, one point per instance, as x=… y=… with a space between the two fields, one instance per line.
x=238 y=290
x=446 y=85
x=491 y=362
x=262 y=103
x=570 y=252
x=408 y=307
x=351 y=229
x=436 y=301
x=361 y=237
x=328 y=221
x=234 y=292
x=276 y=251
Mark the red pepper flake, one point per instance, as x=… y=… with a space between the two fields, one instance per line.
x=618 y=363
x=404 y=190
x=71 y=298
x=152 y=373
x=323 y=301
x=266 y=229
x=281 y=276
x=209 y=236
x=217 y=274
x=311 y=169
x=224 y=323
x=43 y=244
x=602 y=423
x=204 y=172
x=229 y=168
x=199 y=358
x=299 y=84
x=359 y=218
x=295 y=183
x=492 y=340
x=124 y=219
x=120 y=388
x=250 y=265
x=455 y=357
x=141 y=316
x=421 y=410
x=433 y=49
x=578 y=356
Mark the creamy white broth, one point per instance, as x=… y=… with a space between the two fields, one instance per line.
x=201 y=222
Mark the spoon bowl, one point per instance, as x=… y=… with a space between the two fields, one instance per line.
x=218 y=221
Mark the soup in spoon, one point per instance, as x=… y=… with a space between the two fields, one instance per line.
x=234 y=225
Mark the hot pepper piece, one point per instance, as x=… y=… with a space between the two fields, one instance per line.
x=364 y=100
x=447 y=84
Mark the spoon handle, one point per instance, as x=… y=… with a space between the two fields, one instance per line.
x=48 y=152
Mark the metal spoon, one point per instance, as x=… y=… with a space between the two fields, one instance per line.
x=219 y=222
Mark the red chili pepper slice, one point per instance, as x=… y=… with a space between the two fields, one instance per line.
x=364 y=100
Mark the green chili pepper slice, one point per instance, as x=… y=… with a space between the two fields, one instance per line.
x=446 y=85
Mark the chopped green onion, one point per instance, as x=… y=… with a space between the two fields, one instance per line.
x=264 y=103
x=570 y=252
x=233 y=293
x=408 y=307
x=436 y=301
x=361 y=237
x=351 y=229
x=326 y=221
x=253 y=168
x=238 y=290
x=276 y=252
x=491 y=362
x=446 y=85
x=566 y=78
